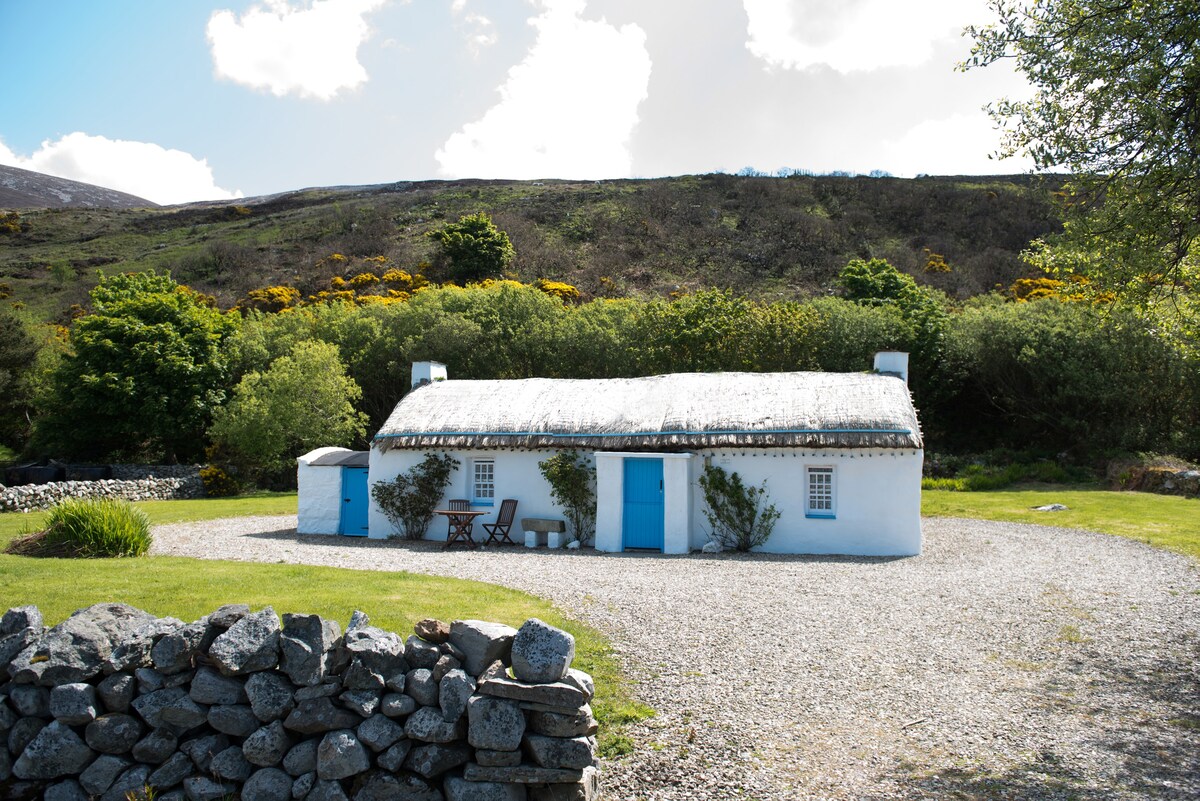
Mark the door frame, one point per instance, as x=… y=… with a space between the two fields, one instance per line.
x=679 y=478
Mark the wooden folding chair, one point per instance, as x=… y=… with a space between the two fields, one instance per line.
x=459 y=505
x=498 y=531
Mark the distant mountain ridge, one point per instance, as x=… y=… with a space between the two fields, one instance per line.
x=26 y=189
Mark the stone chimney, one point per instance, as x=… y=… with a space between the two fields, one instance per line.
x=892 y=362
x=427 y=372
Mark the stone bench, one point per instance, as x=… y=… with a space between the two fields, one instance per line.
x=543 y=531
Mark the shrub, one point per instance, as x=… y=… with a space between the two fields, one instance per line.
x=409 y=500
x=89 y=528
x=218 y=483
x=572 y=485
x=735 y=511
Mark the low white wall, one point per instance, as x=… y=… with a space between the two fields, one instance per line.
x=516 y=476
x=319 y=494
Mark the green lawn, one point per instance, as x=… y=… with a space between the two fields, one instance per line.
x=1164 y=521
x=188 y=589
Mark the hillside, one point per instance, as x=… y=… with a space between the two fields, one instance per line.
x=24 y=189
x=776 y=237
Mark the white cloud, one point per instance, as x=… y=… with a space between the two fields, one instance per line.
x=310 y=51
x=139 y=168
x=478 y=30
x=854 y=35
x=567 y=110
x=957 y=145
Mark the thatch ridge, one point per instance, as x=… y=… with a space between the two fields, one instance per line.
x=680 y=411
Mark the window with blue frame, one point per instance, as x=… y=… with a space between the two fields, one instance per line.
x=483 y=482
x=819 y=498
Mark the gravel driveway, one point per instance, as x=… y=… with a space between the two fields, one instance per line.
x=1008 y=661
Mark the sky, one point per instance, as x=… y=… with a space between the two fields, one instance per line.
x=216 y=99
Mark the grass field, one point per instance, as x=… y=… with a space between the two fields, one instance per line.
x=189 y=589
x=1163 y=521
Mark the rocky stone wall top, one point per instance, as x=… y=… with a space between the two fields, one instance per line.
x=239 y=704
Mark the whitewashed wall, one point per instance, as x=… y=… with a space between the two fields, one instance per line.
x=877 y=493
x=319 y=494
x=877 y=496
x=516 y=476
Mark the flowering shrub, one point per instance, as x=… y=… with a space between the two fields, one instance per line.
x=218 y=483
x=558 y=289
x=272 y=299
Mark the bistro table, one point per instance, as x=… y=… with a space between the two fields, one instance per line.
x=461 y=522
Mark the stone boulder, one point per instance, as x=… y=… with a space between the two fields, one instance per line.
x=481 y=643
x=541 y=653
x=250 y=645
x=75 y=650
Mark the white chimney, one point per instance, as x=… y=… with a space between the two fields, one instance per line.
x=892 y=362
x=427 y=372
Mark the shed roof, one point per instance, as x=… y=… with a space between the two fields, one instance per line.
x=677 y=411
x=342 y=459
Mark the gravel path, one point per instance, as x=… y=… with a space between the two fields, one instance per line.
x=1008 y=661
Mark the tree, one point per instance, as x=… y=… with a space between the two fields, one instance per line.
x=1117 y=103
x=18 y=349
x=303 y=401
x=147 y=369
x=474 y=248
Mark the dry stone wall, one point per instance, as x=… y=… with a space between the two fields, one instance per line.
x=29 y=497
x=114 y=703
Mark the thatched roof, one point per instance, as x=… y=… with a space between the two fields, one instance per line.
x=683 y=411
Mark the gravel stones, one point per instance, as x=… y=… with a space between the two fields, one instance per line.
x=541 y=653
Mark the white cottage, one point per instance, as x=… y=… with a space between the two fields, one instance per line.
x=840 y=453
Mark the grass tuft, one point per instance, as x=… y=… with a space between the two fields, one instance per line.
x=89 y=528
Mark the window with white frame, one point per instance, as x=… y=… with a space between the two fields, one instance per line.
x=819 y=495
x=483 y=482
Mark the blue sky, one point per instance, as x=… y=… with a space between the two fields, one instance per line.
x=193 y=99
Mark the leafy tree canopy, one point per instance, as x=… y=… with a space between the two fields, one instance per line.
x=1117 y=103
x=474 y=248
x=18 y=348
x=303 y=401
x=147 y=369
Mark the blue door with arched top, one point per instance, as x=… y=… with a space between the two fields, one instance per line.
x=354 y=502
x=643 y=521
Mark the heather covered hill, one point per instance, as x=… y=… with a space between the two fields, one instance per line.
x=25 y=189
x=764 y=236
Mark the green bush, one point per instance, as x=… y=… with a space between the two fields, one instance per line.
x=735 y=511
x=218 y=483
x=409 y=500
x=572 y=485
x=91 y=528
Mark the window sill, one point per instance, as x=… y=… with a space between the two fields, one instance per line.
x=820 y=517
x=483 y=503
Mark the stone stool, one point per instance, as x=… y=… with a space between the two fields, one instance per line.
x=543 y=531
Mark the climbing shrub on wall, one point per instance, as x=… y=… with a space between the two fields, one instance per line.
x=409 y=500
x=572 y=485
x=736 y=513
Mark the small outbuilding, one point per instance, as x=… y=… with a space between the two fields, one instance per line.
x=332 y=491
x=840 y=453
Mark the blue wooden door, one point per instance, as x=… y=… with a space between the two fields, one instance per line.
x=354 y=501
x=643 y=513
